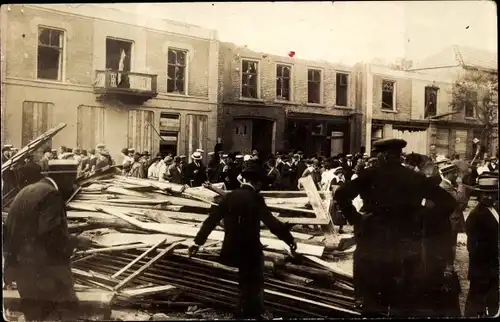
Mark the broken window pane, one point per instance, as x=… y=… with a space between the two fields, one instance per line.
x=430 y=102
x=249 y=79
x=176 y=71
x=388 y=95
x=114 y=54
x=49 y=56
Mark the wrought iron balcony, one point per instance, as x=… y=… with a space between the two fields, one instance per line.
x=127 y=87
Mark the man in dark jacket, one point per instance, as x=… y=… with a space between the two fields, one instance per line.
x=30 y=172
x=195 y=174
x=387 y=260
x=212 y=167
x=37 y=246
x=242 y=210
x=482 y=243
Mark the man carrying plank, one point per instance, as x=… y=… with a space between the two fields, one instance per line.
x=242 y=210
x=37 y=245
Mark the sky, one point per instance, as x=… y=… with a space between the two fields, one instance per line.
x=343 y=32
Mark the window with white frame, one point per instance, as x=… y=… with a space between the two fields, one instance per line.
x=283 y=76
x=314 y=86
x=249 y=79
x=50 y=53
x=341 y=88
x=176 y=73
x=388 y=99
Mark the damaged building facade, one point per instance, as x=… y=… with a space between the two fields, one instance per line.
x=275 y=103
x=113 y=77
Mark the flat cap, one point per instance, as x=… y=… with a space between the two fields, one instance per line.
x=389 y=144
x=62 y=166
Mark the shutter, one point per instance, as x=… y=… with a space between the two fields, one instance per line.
x=90 y=126
x=443 y=141
x=461 y=147
x=140 y=132
x=37 y=118
x=197 y=133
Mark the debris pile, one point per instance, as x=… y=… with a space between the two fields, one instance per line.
x=141 y=231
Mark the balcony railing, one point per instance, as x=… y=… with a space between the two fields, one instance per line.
x=126 y=83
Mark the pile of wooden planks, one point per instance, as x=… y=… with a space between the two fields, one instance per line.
x=141 y=231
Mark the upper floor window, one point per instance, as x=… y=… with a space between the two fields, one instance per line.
x=341 y=87
x=314 y=86
x=176 y=73
x=430 y=101
x=283 y=76
x=118 y=58
x=470 y=104
x=388 y=95
x=50 y=53
x=249 y=79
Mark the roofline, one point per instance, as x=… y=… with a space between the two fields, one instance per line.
x=193 y=31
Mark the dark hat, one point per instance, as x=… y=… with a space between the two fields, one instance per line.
x=125 y=151
x=159 y=156
x=448 y=168
x=47 y=150
x=104 y=153
x=145 y=153
x=254 y=171
x=92 y=151
x=182 y=156
x=487 y=182
x=6 y=148
x=177 y=159
x=137 y=154
x=389 y=145
x=62 y=166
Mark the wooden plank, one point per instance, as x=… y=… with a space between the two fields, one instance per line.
x=109 y=249
x=316 y=201
x=117 y=239
x=330 y=266
x=182 y=230
x=149 y=290
x=145 y=267
x=155 y=246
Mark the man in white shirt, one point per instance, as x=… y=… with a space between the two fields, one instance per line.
x=154 y=169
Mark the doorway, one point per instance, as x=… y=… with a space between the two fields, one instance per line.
x=262 y=137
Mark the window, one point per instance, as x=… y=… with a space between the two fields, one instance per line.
x=342 y=81
x=90 y=126
x=249 y=79
x=140 y=130
x=118 y=58
x=314 y=86
x=37 y=119
x=176 y=73
x=430 y=102
x=50 y=53
x=470 y=104
x=283 y=76
x=388 y=95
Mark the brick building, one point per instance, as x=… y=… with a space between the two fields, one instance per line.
x=112 y=76
x=455 y=62
x=414 y=106
x=273 y=103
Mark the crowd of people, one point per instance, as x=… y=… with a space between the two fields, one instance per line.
x=406 y=209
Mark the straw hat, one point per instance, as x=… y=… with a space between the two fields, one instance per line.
x=196 y=156
x=487 y=182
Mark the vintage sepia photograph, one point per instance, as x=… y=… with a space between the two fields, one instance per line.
x=249 y=160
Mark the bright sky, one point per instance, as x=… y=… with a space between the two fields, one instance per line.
x=346 y=32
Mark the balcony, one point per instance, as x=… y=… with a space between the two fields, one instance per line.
x=126 y=87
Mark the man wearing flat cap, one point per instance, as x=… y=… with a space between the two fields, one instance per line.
x=387 y=259
x=242 y=211
x=482 y=243
x=38 y=246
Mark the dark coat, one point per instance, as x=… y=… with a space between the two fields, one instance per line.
x=29 y=173
x=242 y=210
x=300 y=168
x=38 y=246
x=390 y=231
x=195 y=175
x=287 y=173
x=482 y=243
x=212 y=174
x=173 y=174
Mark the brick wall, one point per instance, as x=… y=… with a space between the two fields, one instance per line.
x=403 y=98
x=418 y=97
x=22 y=42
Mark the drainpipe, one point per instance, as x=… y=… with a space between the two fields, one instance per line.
x=369 y=108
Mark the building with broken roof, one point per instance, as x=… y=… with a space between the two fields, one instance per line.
x=113 y=77
x=455 y=62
